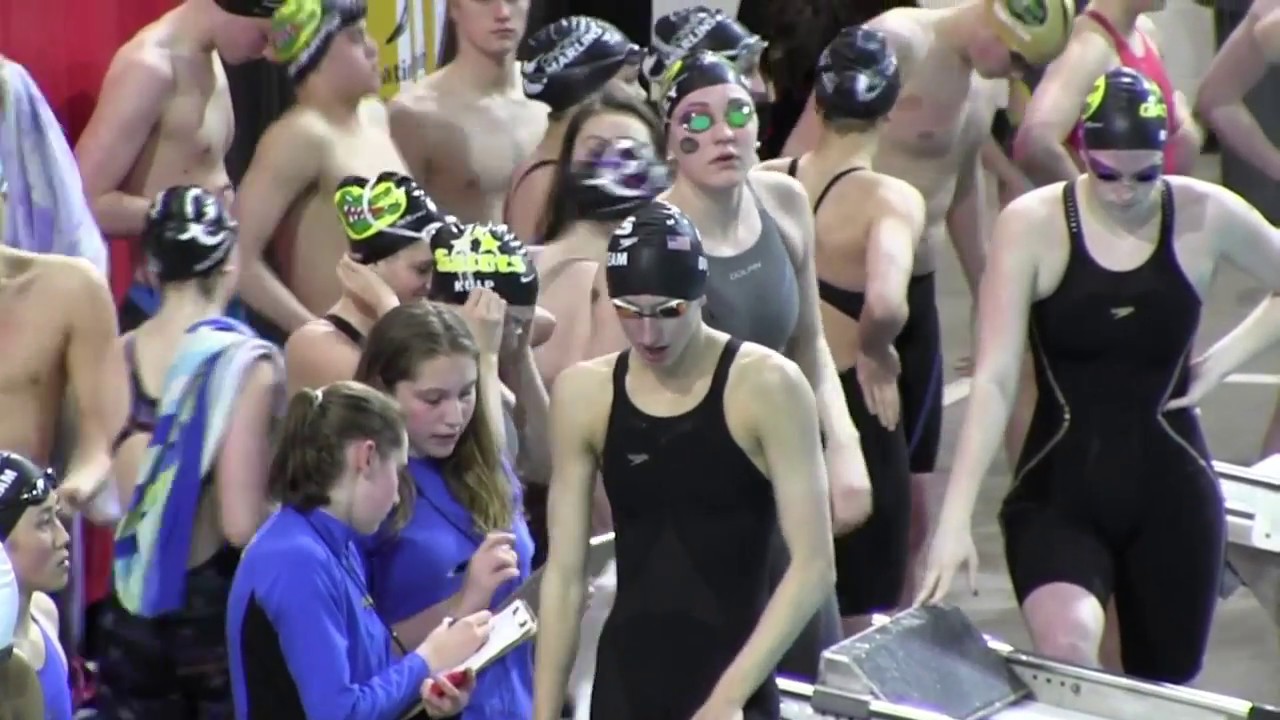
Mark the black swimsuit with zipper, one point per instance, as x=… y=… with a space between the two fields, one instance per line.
x=871 y=562
x=919 y=346
x=1112 y=493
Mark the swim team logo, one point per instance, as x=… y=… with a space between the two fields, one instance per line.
x=206 y=224
x=1032 y=13
x=365 y=211
x=6 y=479
x=581 y=33
x=478 y=250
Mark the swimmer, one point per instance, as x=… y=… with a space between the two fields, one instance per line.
x=338 y=128
x=1115 y=477
x=608 y=168
x=38 y=546
x=60 y=328
x=491 y=258
x=757 y=228
x=867 y=228
x=566 y=64
x=684 y=32
x=304 y=636
x=742 y=409
x=1111 y=33
x=388 y=221
x=164 y=118
x=465 y=128
x=197 y=494
x=1239 y=66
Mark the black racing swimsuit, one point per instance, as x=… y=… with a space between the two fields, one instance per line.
x=1113 y=493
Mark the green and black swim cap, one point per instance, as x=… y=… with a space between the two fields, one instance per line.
x=1125 y=111
x=385 y=215
x=656 y=251
x=479 y=255
x=301 y=31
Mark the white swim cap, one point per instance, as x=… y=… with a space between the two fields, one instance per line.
x=1035 y=29
x=8 y=600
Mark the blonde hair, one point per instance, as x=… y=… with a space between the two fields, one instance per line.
x=20 y=689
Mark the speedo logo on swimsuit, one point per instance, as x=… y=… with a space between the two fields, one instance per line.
x=463 y=257
x=366 y=211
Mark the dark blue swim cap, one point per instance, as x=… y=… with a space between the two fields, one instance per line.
x=23 y=484
x=568 y=60
x=658 y=252
x=1125 y=111
x=857 y=76
x=188 y=234
x=690 y=30
x=700 y=70
x=481 y=255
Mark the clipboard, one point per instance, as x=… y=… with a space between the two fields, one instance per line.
x=510 y=628
x=599 y=555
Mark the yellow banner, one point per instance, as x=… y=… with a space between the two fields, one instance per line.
x=407 y=33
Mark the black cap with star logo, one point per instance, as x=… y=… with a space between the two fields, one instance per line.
x=482 y=255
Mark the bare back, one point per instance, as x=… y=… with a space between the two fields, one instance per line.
x=36 y=322
x=464 y=148
x=938 y=125
x=572 y=289
x=311 y=238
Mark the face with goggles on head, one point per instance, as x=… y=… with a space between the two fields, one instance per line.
x=34 y=536
x=712 y=134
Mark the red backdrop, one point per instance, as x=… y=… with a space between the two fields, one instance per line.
x=67 y=46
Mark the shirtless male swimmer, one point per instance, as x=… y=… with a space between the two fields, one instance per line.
x=164 y=117
x=466 y=128
x=337 y=128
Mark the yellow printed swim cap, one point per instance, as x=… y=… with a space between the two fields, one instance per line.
x=1035 y=29
x=293 y=27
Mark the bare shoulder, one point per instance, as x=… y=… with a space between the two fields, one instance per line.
x=768 y=376
x=1193 y=194
x=588 y=375
x=906 y=29
x=584 y=391
x=44 y=608
x=781 y=165
x=373 y=109
x=1028 y=221
x=895 y=192
x=141 y=60
x=71 y=277
x=779 y=191
x=301 y=129
x=309 y=338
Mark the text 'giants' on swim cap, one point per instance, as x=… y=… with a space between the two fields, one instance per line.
x=1037 y=30
x=617 y=178
x=23 y=484
x=301 y=31
x=689 y=30
x=572 y=58
x=468 y=257
x=250 y=8
x=1125 y=111
x=385 y=215
x=187 y=234
x=658 y=252
x=857 y=76
x=700 y=70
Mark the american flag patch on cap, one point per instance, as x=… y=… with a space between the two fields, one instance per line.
x=679 y=242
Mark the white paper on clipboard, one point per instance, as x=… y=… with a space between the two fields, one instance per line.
x=513 y=625
x=599 y=553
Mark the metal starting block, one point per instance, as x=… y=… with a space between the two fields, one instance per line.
x=1253 y=528
x=918 y=666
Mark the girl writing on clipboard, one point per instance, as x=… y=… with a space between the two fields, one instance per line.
x=304 y=638
x=465 y=546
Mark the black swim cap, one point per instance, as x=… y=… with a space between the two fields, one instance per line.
x=857 y=76
x=250 y=8
x=700 y=70
x=481 y=256
x=188 y=234
x=302 y=30
x=657 y=251
x=1125 y=111
x=23 y=484
x=384 y=216
x=690 y=30
x=617 y=178
x=568 y=60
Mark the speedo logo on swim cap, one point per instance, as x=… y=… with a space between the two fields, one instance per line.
x=366 y=211
x=464 y=257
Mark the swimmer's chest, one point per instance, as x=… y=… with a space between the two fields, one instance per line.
x=33 y=340
x=366 y=150
x=480 y=145
x=939 y=118
x=200 y=116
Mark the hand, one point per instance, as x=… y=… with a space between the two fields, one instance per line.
x=878 y=375
x=952 y=547
x=492 y=564
x=446 y=695
x=714 y=710
x=486 y=314
x=850 y=488
x=77 y=490
x=453 y=641
x=363 y=284
x=1202 y=377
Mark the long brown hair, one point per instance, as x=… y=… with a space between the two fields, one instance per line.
x=20 y=688
x=309 y=454
x=397 y=346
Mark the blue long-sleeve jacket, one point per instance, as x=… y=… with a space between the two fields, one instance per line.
x=303 y=639
x=425 y=563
